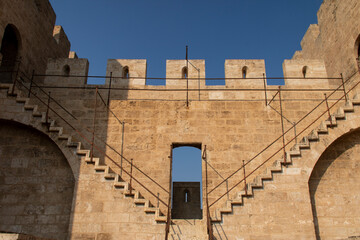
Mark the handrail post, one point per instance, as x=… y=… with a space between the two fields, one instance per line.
x=245 y=178
x=108 y=101
x=131 y=176
x=168 y=220
x=158 y=202
x=282 y=125
x=93 y=132
x=47 y=112
x=227 y=189
x=327 y=108
x=16 y=77
x=294 y=125
x=208 y=217
x=199 y=84
x=122 y=146
x=187 y=78
x=31 y=82
x=264 y=79
x=343 y=84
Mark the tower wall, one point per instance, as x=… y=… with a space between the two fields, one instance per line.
x=40 y=39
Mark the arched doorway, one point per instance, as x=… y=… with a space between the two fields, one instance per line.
x=334 y=187
x=10 y=46
x=187 y=181
x=36 y=183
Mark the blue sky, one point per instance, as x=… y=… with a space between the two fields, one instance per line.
x=160 y=29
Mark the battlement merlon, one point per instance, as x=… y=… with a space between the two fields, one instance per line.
x=126 y=72
x=176 y=73
x=62 y=40
x=305 y=73
x=64 y=68
x=310 y=44
x=245 y=69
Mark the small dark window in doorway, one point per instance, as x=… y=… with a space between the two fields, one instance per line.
x=125 y=73
x=304 y=71
x=66 y=70
x=184 y=72
x=244 y=72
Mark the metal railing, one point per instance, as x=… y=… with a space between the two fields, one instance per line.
x=91 y=140
x=208 y=216
x=126 y=86
x=31 y=84
x=282 y=137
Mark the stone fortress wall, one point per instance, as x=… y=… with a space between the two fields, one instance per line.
x=307 y=200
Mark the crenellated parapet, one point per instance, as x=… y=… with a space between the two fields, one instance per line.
x=311 y=42
x=245 y=79
x=37 y=37
x=61 y=38
x=335 y=39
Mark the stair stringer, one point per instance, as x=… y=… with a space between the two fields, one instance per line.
x=279 y=165
x=56 y=133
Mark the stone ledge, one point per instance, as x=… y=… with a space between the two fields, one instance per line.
x=16 y=236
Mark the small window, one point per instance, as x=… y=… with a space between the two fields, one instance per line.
x=357 y=51
x=186 y=196
x=184 y=72
x=244 y=72
x=357 y=48
x=66 y=70
x=125 y=73
x=304 y=71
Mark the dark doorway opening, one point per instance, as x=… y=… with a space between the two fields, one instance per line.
x=187 y=181
x=10 y=45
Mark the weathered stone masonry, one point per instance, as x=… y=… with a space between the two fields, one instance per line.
x=49 y=188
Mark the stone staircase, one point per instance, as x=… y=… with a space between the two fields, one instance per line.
x=278 y=165
x=188 y=229
x=181 y=229
x=84 y=154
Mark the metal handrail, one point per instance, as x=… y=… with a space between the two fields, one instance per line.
x=337 y=89
x=208 y=217
x=180 y=78
x=96 y=147
x=168 y=217
x=282 y=135
x=90 y=131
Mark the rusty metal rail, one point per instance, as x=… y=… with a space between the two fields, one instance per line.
x=180 y=78
x=130 y=174
x=208 y=217
x=91 y=130
x=279 y=137
x=282 y=136
x=95 y=146
x=168 y=218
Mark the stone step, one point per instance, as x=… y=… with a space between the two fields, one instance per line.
x=84 y=154
x=295 y=151
x=187 y=237
x=188 y=229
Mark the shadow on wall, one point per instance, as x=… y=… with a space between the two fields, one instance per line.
x=36 y=183
x=123 y=74
x=333 y=201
